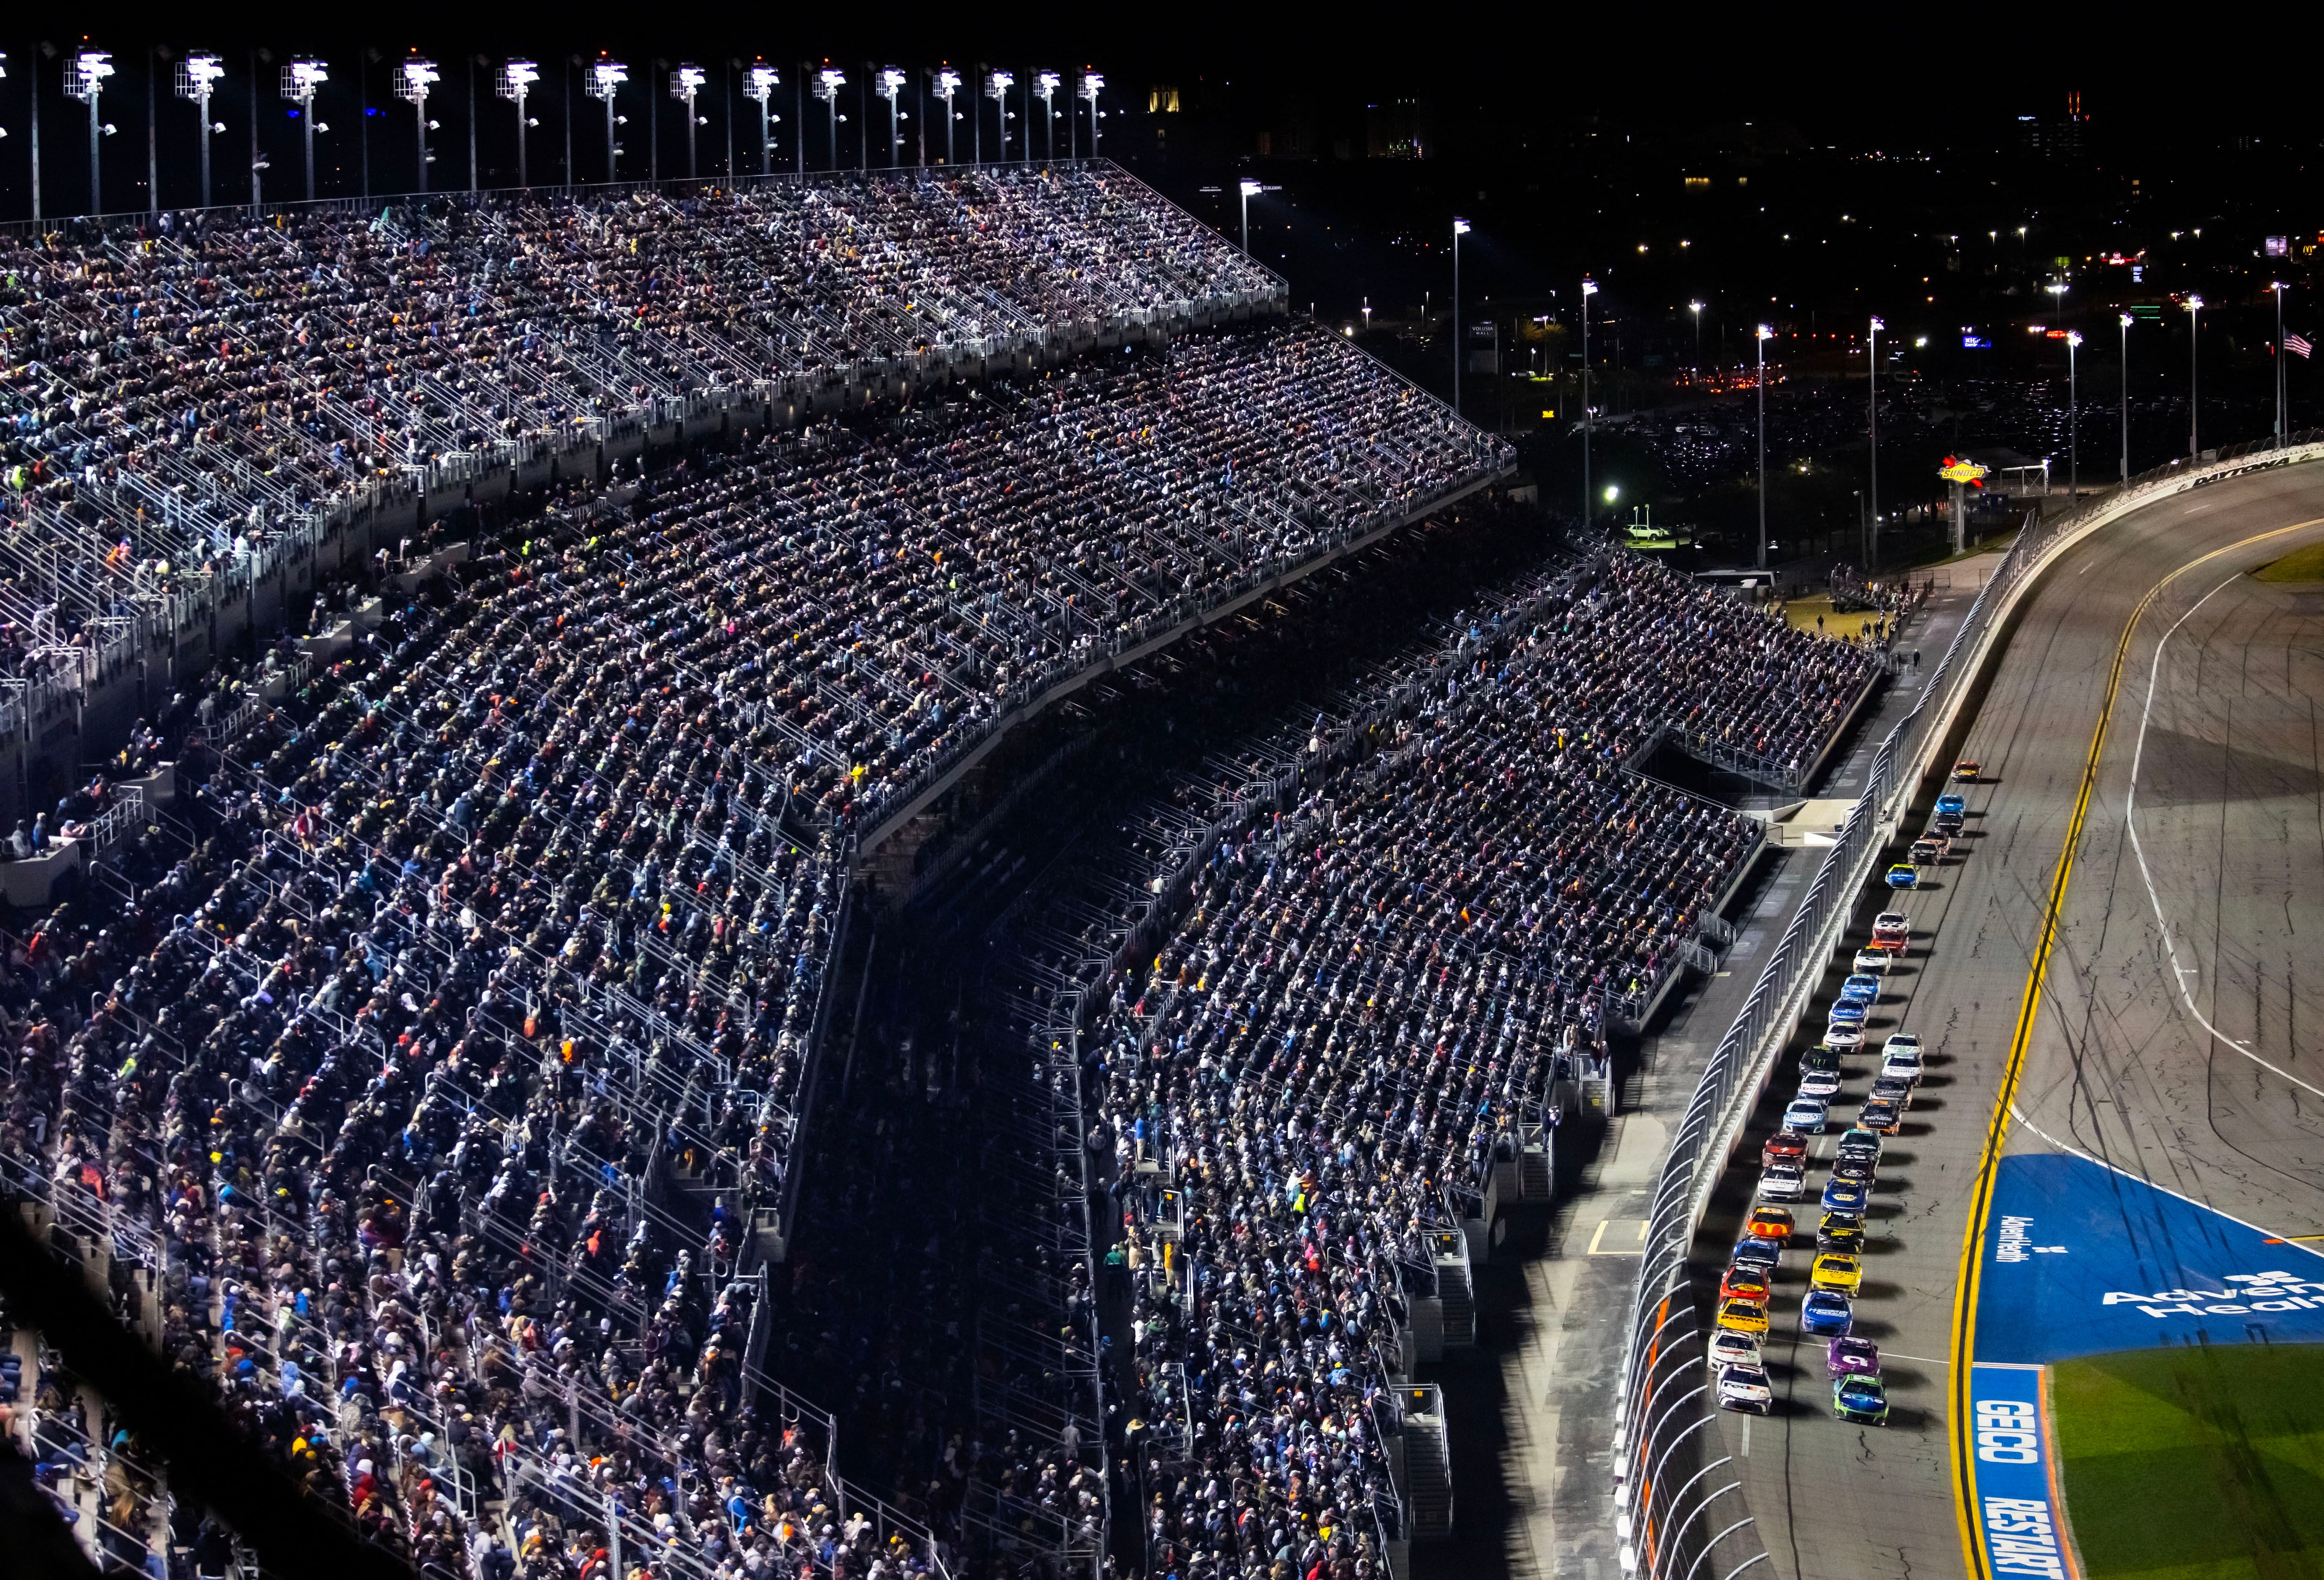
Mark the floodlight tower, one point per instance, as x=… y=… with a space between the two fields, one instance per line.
x=996 y=89
x=198 y=78
x=413 y=78
x=2194 y=386
x=605 y=80
x=85 y=75
x=947 y=85
x=1872 y=397
x=1589 y=290
x=763 y=79
x=1764 y=335
x=516 y=79
x=300 y=78
x=891 y=83
x=1046 y=85
x=685 y=83
x=1088 y=89
x=827 y=84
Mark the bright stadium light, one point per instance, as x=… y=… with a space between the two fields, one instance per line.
x=1460 y=229
x=516 y=80
x=198 y=78
x=997 y=85
x=1696 y=308
x=1045 y=86
x=890 y=83
x=2074 y=422
x=1087 y=90
x=1872 y=395
x=413 y=78
x=947 y=82
x=685 y=83
x=763 y=81
x=1588 y=411
x=85 y=75
x=605 y=78
x=300 y=78
x=827 y=84
x=2122 y=322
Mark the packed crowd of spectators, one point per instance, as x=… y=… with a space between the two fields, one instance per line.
x=1369 y=990
x=201 y=376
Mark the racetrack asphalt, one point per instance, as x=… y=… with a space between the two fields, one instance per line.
x=2177 y=1041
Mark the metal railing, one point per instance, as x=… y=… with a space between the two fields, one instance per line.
x=1667 y=1397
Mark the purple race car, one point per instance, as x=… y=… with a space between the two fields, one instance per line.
x=1848 y=1357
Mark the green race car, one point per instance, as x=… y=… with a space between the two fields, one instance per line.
x=1860 y=1397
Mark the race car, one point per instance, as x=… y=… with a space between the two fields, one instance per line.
x=1880 y=1114
x=1902 y=1058
x=1966 y=771
x=1892 y=1089
x=1823 y=1084
x=1743 y=1316
x=1826 y=1314
x=1729 y=1348
x=1860 y=1397
x=1855 y=1143
x=1903 y=875
x=1891 y=930
x=1808 y=1115
x=1842 y=1232
x=1860 y=988
x=1846 y=1013
x=1745 y=1388
x=1856 y=1170
x=1752 y=1251
x=1952 y=805
x=1837 y=1270
x=1872 y=958
x=1844 y=1196
x=1844 y=1035
x=1785 y=1146
x=1940 y=840
x=1846 y=1357
x=1747 y=1283
x=1783 y=1181
x=1927 y=851
x=1770 y=1223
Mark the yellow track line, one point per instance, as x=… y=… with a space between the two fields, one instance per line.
x=1972 y=1530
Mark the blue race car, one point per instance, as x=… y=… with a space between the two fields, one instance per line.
x=1826 y=1314
x=1903 y=875
x=1952 y=806
x=1808 y=1115
x=1860 y=989
x=1751 y=1250
x=1844 y=1196
x=1846 y=1013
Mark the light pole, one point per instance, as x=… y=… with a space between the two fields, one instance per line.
x=2277 y=287
x=2123 y=321
x=1589 y=416
x=1249 y=188
x=300 y=78
x=1765 y=335
x=891 y=83
x=198 y=78
x=2074 y=422
x=516 y=79
x=1460 y=229
x=85 y=75
x=997 y=85
x=1696 y=308
x=412 y=81
x=1091 y=83
x=827 y=84
x=2194 y=385
x=685 y=84
x=1045 y=86
x=763 y=79
x=1872 y=543
x=605 y=80
x=947 y=85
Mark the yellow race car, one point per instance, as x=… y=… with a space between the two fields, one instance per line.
x=1838 y=1271
x=1741 y=1314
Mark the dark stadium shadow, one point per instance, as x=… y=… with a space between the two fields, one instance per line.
x=1879 y=1290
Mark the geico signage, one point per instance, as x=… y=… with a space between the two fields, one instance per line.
x=2007 y=1433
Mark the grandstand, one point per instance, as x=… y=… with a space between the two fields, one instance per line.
x=1355 y=973
x=456 y=654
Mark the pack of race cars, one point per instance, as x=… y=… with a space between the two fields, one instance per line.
x=1836 y=1272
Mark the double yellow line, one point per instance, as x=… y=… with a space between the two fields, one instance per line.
x=1964 y=1287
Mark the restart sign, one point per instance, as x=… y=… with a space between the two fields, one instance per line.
x=2023 y=1532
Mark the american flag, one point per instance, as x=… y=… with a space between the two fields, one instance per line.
x=2298 y=346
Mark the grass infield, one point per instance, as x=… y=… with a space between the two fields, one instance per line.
x=2202 y=1463
x=2300 y=565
